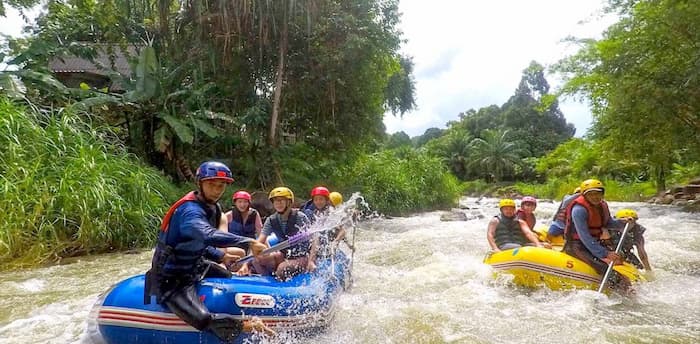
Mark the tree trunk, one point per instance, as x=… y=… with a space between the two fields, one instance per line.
x=660 y=179
x=275 y=118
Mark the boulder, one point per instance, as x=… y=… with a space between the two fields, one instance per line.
x=691 y=189
x=262 y=204
x=454 y=215
x=666 y=199
x=679 y=202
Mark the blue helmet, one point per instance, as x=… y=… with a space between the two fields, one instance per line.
x=213 y=170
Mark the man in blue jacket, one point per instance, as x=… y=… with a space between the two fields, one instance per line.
x=588 y=218
x=187 y=251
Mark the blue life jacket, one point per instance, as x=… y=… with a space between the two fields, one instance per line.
x=236 y=225
x=291 y=229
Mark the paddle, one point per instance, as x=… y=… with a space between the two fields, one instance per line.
x=293 y=240
x=610 y=266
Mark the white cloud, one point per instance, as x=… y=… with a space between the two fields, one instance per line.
x=470 y=54
x=13 y=23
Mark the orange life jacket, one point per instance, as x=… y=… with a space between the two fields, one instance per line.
x=598 y=216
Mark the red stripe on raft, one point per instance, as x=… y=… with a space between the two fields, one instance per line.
x=146 y=321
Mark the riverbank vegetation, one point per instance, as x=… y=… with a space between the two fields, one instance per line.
x=69 y=187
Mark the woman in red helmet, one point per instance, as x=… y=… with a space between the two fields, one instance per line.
x=242 y=219
x=528 y=204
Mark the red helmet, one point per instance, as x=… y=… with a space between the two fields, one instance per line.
x=528 y=199
x=241 y=195
x=321 y=191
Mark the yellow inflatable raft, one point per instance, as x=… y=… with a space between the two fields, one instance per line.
x=535 y=267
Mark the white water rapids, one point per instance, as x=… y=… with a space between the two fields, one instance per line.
x=420 y=280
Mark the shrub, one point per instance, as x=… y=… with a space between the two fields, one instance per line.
x=69 y=188
x=397 y=182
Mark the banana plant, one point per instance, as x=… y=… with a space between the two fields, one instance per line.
x=170 y=102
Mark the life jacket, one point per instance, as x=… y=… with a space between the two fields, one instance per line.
x=178 y=261
x=312 y=212
x=560 y=215
x=597 y=218
x=299 y=250
x=508 y=231
x=191 y=196
x=530 y=220
x=633 y=236
x=236 y=225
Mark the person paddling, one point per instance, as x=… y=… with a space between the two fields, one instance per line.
x=587 y=217
x=634 y=238
x=187 y=243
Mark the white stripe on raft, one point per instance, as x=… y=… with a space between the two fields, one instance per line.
x=548 y=270
x=138 y=318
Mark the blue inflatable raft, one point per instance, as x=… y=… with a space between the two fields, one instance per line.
x=305 y=304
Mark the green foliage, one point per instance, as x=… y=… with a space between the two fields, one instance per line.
x=398 y=139
x=327 y=71
x=429 y=134
x=642 y=80
x=401 y=181
x=684 y=174
x=495 y=154
x=614 y=191
x=69 y=187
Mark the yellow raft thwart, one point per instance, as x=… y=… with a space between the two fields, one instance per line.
x=535 y=267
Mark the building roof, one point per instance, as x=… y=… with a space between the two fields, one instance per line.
x=109 y=57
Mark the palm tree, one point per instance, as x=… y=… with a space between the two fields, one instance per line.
x=495 y=154
x=457 y=152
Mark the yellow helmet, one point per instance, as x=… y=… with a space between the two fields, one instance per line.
x=506 y=202
x=577 y=190
x=336 y=198
x=281 y=192
x=625 y=213
x=592 y=185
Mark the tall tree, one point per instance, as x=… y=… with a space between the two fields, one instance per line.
x=642 y=80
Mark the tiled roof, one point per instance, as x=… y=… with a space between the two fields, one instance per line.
x=105 y=61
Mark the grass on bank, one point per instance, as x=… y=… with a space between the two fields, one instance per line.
x=69 y=187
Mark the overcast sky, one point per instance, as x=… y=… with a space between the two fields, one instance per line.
x=471 y=53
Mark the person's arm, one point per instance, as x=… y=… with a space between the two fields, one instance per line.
x=640 y=249
x=340 y=234
x=223 y=223
x=530 y=235
x=212 y=253
x=579 y=216
x=491 y=232
x=258 y=224
x=266 y=231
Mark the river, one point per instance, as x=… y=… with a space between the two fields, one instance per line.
x=419 y=280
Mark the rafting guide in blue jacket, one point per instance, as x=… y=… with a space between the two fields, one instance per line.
x=187 y=252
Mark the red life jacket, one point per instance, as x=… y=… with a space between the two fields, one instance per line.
x=166 y=220
x=597 y=218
